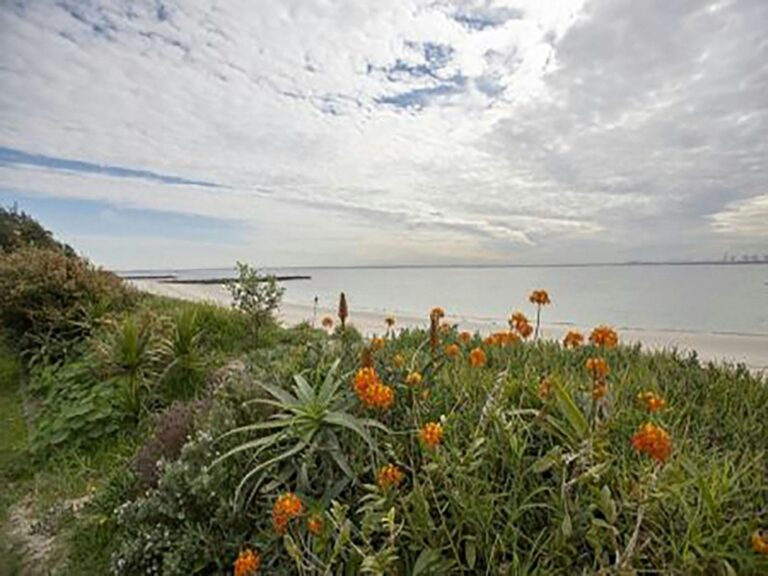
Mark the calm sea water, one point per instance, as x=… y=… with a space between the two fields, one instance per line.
x=701 y=298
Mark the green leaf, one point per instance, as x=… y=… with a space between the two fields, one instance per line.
x=470 y=551
x=427 y=560
x=330 y=384
x=570 y=410
x=304 y=391
x=350 y=422
x=566 y=527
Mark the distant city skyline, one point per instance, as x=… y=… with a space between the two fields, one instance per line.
x=161 y=134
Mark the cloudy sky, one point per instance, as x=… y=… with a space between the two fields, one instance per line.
x=184 y=133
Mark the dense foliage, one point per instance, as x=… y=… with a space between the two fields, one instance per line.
x=529 y=473
x=20 y=230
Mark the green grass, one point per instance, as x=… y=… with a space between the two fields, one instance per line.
x=13 y=436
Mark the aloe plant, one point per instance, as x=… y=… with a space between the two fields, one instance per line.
x=308 y=421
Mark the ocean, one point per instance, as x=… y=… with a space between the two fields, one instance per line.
x=726 y=299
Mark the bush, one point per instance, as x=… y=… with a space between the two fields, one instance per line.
x=50 y=300
x=257 y=296
x=19 y=230
x=75 y=408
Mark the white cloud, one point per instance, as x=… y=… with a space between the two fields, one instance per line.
x=746 y=218
x=504 y=126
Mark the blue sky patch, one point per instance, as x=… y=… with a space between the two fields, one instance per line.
x=13 y=157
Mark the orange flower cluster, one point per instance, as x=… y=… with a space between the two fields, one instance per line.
x=389 y=321
x=519 y=322
x=759 y=541
x=652 y=402
x=573 y=339
x=247 y=563
x=390 y=476
x=539 y=297
x=653 y=441
x=604 y=337
x=431 y=434
x=452 y=350
x=477 y=358
x=315 y=524
x=437 y=313
x=377 y=344
x=398 y=361
x=598 y=368
x=371 y=392
x=501 y=339
x=413 y=379
x=327 y=322
x=599 y=389
x=464 y=337
x=287 y=507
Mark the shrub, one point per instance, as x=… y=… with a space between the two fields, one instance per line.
x=19 y=230
x=74 y=408
x=172 y=427
x=184 y=373
x=130 y=357
x=257 y=296
x=50 y=300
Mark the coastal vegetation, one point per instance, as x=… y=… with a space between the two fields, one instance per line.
x=145 y=435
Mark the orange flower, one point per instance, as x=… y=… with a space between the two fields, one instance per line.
x=598 y=367
x=389 y=321
x=599 y=389
x=544 y=385
x=390 y=476
x=398 y=361
x=490 y=340
x=452 y=350
x=507 y=338
x=465 y=337
x=248 y=563
x=377 y=344
x=759 y=541
x=287 y=507
x=431 y=434
x=370 y=391
x=573 y=339
x=477 y=357
x=315 y=524
x=437 y=313
x=652 y=402
x=653 y=441
x=327 y=322
x=517 y=318
x=413 y=379
x=604 y=337
x=524 y=329
x=539 y=297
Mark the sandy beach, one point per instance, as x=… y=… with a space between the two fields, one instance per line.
x=751 y=350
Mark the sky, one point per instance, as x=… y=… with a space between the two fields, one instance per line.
x=191 y=133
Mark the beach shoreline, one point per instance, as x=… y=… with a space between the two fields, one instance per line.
x=748 y=349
